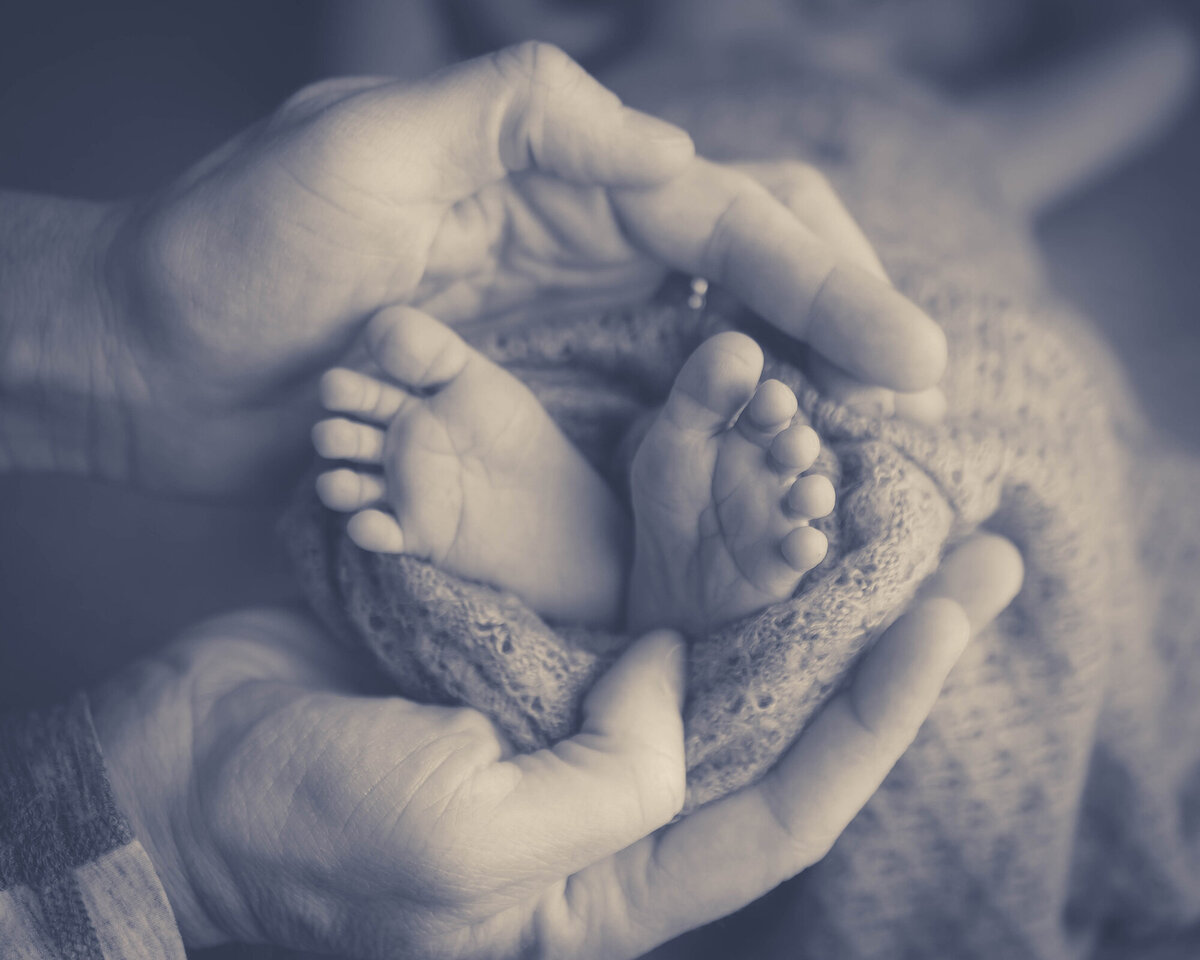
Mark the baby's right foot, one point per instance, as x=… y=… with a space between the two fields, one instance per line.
x=720 y=518
x=463 y=466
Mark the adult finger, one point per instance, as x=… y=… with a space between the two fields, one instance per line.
x=835 y=383
x=524 y=107
x=982 y=576
x=617 y=780
x=806 y=192
x=720 y=223
x=922 y=406
x=732 y=851
x=809 y=196
x=814 y=792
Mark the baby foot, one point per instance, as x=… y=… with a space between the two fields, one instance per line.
x=720 y=518
x=463 y=467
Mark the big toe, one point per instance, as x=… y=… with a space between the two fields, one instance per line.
x=414 y=348
x=716 y=381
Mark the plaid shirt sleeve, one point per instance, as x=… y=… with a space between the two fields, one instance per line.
x=74 y=881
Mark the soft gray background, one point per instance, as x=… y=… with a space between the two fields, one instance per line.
x=108 y=100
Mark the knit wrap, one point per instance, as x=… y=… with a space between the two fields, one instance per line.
x=1041 y=801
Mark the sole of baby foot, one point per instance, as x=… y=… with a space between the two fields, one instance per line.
x=721 y=511
x=457 y=463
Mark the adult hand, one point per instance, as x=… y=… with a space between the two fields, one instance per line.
x=510 y=181
x=278 y=804
x=805 y=191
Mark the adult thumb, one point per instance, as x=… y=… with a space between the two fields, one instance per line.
x=527 y=107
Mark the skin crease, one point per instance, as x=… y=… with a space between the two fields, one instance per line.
x=227 y=294
x=174 y=342
x=456 y=462
x=281 y=804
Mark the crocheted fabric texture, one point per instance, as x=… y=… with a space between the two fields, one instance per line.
x=1046 y=801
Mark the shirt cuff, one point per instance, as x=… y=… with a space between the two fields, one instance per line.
x=74 y=881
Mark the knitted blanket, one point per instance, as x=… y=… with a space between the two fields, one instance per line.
x=1050 y=805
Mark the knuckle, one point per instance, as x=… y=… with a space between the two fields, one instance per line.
x=448 y=864
x=468 y=723
x=309 y=100
x=554 y=68
x=330 y=115
x=721 y=242
x=543 y=86
x=661 y=783
x=805 y=184
x=309 y=92
x=804 y=841
x=537 y=62
x=520 y=57
x=331 y=129
x=872 y=736
x=560 y=927
x=807 y=175
x=536 y=71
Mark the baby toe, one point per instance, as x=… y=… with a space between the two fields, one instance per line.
x=811 y=497
x=341 y=439
x=348 y=391
x=348 y=490
x=376 y=531
x=794 y=449
x=803 y=548
x=769 y=411
x=715 y=383
x=414 y=348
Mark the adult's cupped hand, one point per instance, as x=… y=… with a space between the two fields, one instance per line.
x=279 y=802
x=511 y=182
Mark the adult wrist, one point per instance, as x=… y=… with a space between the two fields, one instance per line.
x=74 y=880
x=64 y=367
x=143 y=724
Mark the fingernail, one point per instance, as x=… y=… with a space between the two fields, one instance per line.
x=949 y=622
x=646 y=127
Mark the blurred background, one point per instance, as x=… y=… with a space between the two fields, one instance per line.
x=107 y=100
x=111 y=100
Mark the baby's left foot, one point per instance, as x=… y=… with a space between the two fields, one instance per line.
x=720 y=511
x=458 y=463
